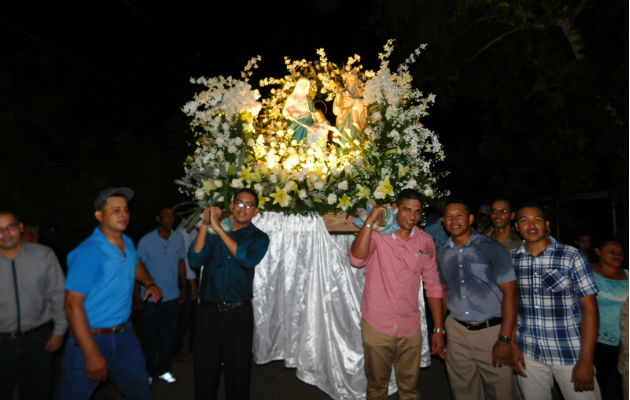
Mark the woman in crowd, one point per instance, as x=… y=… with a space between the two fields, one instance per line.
x=612 y=281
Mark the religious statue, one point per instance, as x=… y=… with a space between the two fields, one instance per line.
x=318 y=132
x=298 y=109
x=350 y=110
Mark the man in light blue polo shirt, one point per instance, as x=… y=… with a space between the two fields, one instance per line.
x=163 y=251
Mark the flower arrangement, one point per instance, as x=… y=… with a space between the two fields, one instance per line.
x=242 y=140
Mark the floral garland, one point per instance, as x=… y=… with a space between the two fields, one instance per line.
x=241 y=141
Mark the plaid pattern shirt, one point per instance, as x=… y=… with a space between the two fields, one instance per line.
x=550 y=316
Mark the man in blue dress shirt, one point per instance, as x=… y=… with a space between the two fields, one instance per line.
x=224 y=324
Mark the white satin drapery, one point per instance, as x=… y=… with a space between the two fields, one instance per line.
x=307 y=300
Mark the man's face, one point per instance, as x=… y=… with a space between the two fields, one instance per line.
x=501 y=215
x=532 y=225
x=409 y=213
x=244 y=208
x=115 y=215
x=166 y=219
x=10 y=232
x=457 y=220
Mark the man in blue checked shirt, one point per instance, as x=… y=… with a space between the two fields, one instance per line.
x=558 y=319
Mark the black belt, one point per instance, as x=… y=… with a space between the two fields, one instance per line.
x=480 y=325
x=19 y=334
x=109 y=331
x=223 y=306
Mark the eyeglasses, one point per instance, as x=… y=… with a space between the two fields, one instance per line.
x=501 y=211
x=247 y=205
x=11 y=227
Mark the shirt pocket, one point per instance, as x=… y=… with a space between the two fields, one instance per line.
x=555 y=281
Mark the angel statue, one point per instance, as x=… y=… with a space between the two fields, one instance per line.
x=350 y=110
x=299 y=109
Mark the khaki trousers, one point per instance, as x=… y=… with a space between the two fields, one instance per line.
x=469 y=364
x=381 y=352
x=537 y=385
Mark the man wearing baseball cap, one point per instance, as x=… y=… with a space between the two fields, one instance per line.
x=99 y=288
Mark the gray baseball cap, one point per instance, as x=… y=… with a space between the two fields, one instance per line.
x=112 y=192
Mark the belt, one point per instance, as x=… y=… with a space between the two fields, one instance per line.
x=475 y=326
x=223 y=306
x=19 y=334
x=109 y=331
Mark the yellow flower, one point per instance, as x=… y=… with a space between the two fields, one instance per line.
x=364 y=192
x=345 y=202
x=281 y=197
x=262 y=200
x=402 y=170
x=247 y=174
x=384 y=189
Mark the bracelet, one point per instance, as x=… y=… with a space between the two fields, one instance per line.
x=368 y=225
x=150 y=283
x=439 y=330
x=505 y=339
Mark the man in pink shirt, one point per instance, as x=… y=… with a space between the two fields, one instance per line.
x=395 y=264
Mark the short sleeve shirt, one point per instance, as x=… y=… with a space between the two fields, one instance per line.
x=472 y=275
x=161 y=257
x=105 y=275
x=550 y=286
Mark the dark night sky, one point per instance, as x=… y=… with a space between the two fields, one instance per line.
x=103 y=75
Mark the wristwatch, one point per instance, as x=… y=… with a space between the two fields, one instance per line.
x=505 y=339
x=439 y=330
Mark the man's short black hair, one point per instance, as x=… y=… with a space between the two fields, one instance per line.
x=8 y=212
x=246 y=190
x=408 y=194
x=533 y=205
x=458 y=201
x=504 y=199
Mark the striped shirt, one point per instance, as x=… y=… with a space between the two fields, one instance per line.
x=550 y=315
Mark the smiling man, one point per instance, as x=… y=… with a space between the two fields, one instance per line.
x=502 y=217
x=224 y=319
x=394 y=266
x=558 y=319
x=480 y=294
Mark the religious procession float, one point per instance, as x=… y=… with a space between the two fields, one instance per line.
x=325 y=140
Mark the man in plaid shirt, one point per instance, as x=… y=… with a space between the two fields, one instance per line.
x=558 y=319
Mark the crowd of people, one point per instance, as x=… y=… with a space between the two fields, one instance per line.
x=512 y=309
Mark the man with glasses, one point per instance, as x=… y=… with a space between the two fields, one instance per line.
x=32 y=318
x=224 y=324
x=502 y=217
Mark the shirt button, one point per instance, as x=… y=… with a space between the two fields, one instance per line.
x=466 y=313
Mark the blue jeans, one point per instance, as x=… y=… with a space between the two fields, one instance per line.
x=159 y=318
x=125 y=361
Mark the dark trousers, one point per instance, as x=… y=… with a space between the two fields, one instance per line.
x=605 y=361
x=24 y=360
x=223 y=337
x=160 y=318
x=185 y=321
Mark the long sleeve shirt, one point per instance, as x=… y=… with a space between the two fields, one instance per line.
x=33 y=284
x=226 y=278
x=393 y=270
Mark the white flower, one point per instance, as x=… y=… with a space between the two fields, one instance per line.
x=332 y=198
x=220 y=141
x=238 y=141
x=199 y=194
x=319 y=185
x=343 y=185
x=218 y=183
x=302 y=194
x=428 y=192
x=231 y=149
x=236 y=183
x=258 y=188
